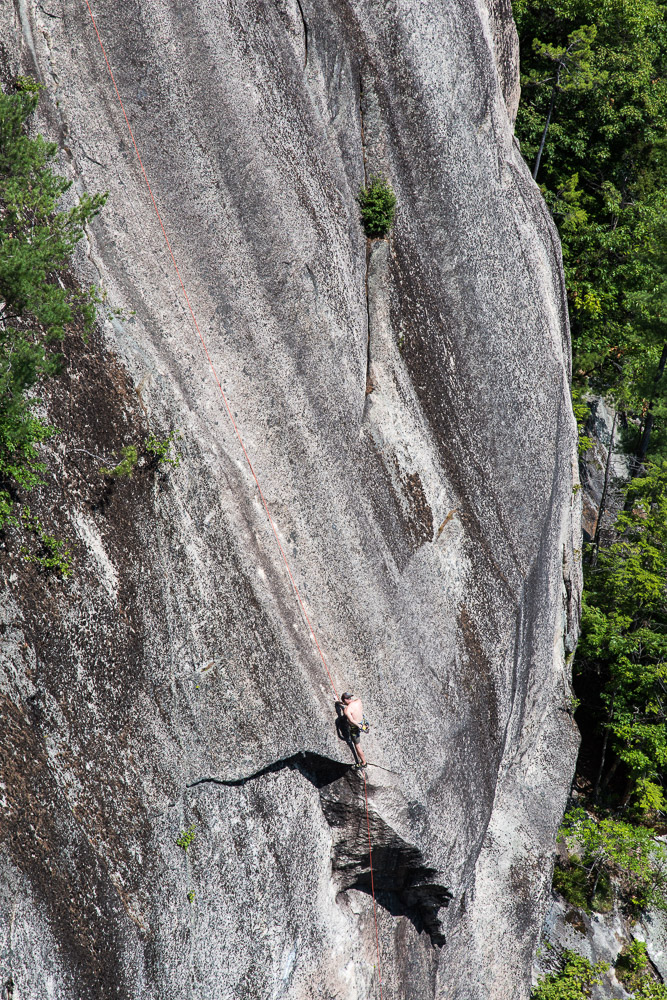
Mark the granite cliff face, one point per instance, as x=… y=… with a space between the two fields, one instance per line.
x=172 y=680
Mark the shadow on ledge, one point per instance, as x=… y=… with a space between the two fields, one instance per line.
x=404 y=884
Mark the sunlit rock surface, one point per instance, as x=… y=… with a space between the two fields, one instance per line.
x=431 y=523
x=600 y=937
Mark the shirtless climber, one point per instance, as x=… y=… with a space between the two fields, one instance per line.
x=354 y=713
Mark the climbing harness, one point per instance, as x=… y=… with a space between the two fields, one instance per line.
x=248 y=461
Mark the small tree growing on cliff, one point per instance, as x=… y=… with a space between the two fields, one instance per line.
x=571 y=69
x=37 y=239
x=377 y=202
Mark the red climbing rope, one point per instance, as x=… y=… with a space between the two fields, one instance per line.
x=243 y=448
x=208 y=358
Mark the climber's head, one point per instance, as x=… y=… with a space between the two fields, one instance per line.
x=346 y=697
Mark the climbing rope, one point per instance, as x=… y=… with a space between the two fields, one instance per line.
x=370 y=861
x=210 y=362
x=243 y=449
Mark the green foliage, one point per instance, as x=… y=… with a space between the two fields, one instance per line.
x=125 y=466
x=160 y=452
x=576 y=977
x=37 y=239
x=8 y=516
x=622 y=655
x=581 y=414
x=26 y=85
x=600 y=68
x=572 y=882
x=569 y=66
x=186 y=837
x=649 y=989
x=631 y=966
x=52 y=554
x=633 y=970
x=625 y=857
x=164 y=451
x=594 y=90
x=378 y=207
x=574 y=980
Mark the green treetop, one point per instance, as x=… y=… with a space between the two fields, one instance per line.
x=592 y=123
x=622 y=657
x=571 y=69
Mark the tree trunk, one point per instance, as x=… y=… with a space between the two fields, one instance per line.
x=554 y=94
x=605 y=742
x=627 y=794
x=611 y=772
x=648 y=423
x=595 y=885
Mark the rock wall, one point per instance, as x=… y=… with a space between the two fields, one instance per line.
x=406 y=407
x=605 y=468
x=601 y=937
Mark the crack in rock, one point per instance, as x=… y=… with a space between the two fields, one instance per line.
x=305 y=33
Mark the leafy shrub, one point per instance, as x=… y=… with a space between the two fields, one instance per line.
x=53 y=554
x=27 y=85
x=126 y=466
x=8 y=518
x=572 y=882
x=632 y=966
x=160 y=451
x=186 y=837
x=37 y=240
x=608 y=852
x=378 y=207
x=576 y=977
x=649 y=989
x=633 y=970
x=574 y=980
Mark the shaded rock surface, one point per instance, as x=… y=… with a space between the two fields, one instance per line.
x=430 y=524
x=605 y=469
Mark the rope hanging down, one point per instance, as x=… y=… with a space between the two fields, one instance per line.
x=370 y=861
x=243 y=448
